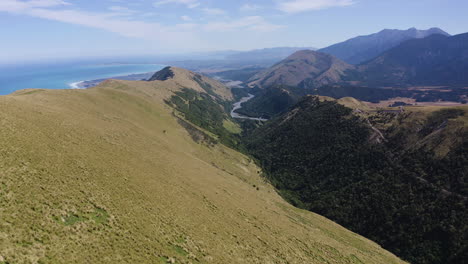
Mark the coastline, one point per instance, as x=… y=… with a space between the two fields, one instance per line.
x=130 y=77
x=76 y=85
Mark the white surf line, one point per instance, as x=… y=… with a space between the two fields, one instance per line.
x=76 y=85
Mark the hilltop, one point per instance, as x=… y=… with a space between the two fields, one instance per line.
x=304 y=68
x=128 y=171
x=181 y=78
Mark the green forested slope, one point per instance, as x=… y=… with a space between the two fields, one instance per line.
x=408 y=193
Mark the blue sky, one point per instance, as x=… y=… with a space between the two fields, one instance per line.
x=38 y=29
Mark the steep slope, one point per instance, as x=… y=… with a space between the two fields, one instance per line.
x=398 y=177
x=112 y=174
x=364 y=48
x=307 y=69
x=272 y=101
x=435 y=60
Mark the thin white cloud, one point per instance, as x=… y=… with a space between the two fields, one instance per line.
x=14 y=5
x=188 y=3
x=115 y=21
x=105 y=21
x=121 y=9
x=148 y=14
x=46 y=3
x=186 y=26
x=254 y=23
x=186 y=18
x=296 y=6
x=123 y=27
x=249 y=7
x=213 y=11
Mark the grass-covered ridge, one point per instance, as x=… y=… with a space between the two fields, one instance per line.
x=207 y=112
x=110 y=175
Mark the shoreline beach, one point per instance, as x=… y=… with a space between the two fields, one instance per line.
x=130 y=77
x=76 y=85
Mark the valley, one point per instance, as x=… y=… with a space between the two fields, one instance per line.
x=341 y=158
x=114 y=174
x=345 y=159
x=207 y=148
x=395 y=152
x=238 y=105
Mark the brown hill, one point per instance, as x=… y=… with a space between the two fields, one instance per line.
x=305 y=68
x=178 y=77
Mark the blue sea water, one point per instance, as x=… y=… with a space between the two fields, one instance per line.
x=63 y=75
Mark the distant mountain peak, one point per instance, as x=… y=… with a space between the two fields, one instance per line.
x=413 y=29
x=436 y=60
x=438 y=30
x=364 y=48
x=304 y=53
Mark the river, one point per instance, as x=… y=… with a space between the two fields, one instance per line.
x=238 y=106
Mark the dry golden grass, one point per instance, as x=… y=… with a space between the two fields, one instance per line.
x=412 y=101
x=107 y=175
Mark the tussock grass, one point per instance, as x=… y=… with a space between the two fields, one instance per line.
x=108 y=175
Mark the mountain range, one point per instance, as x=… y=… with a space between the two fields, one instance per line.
x=363 y=48
x=160 y=171
x=436 y=61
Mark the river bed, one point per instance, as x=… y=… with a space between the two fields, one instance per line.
x=238 y=106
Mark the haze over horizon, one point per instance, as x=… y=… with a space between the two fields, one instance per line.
x=84 y=28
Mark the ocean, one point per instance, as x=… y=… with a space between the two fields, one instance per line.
x=64 y=75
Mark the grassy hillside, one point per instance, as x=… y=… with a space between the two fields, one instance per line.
x=306 y=69
x=111 y=175
x=398 y=178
